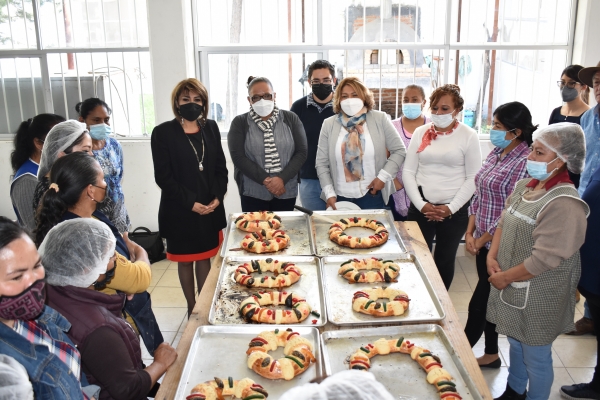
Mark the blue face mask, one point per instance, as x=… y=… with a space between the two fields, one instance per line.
x=411 y=110
x=100 y=131
x=498 y=138
x=539 y=169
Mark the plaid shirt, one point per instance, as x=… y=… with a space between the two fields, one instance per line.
x=64 y=351
x=494 y=182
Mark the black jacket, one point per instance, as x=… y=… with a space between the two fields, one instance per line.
x=176 y=173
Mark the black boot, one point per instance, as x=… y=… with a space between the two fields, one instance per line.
x=510 y=394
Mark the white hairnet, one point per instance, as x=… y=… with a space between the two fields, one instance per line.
x=77 y=251
x=567 y=141
x=60 y=137
x=345 y=385
x=14 y=380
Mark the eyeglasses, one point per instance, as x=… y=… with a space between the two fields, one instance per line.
x=326 y=81
x=570 y=85
x=266 y=96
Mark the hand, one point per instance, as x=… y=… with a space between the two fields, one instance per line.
x=213 y=204
x=199 y=208
x=331 y=202
x=498 y=280
x=397 y=184
x=376 y=186
x=131 y=246
x=492 y=266
x=165 y=354
x=430 y=213
x=470 y=244
x=275 y=186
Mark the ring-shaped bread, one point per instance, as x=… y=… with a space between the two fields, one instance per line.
x=257 y=221
x=286 y=273
x=369 y=270
x=337 y=234
x=365 y=301
x=265 y=241
x=244 y=389
x=251 y=308
x=436 y=374
x=298 y=354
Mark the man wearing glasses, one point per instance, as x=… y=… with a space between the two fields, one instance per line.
x=312 y=110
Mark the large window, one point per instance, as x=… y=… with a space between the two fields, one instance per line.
x=56 y=53
x=496 y=50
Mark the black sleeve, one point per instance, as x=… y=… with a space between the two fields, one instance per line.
x=236 y=140
x=297 y=107
x=551 y=120
x=105 y=357
x=163 y=175
x=300 y=148
x=220 y=186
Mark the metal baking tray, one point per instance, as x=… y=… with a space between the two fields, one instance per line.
x=295 y=224
x=325 y=247
x=229 y=294
x=401 y=376
x=424 y=305
x=221 y=351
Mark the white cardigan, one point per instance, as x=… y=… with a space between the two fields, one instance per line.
x=385 y=138
x=445 y=170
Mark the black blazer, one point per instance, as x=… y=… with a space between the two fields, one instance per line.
x=176 y=173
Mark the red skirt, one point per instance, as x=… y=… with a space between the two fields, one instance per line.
x=198 y=256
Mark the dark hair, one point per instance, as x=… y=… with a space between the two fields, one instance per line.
x=253 y=80
x=77 y=141
x=417 y=87
x=572 y=71
x=320 y=64
x=515 y=115
x=9 y=232
x=88 y=105
x=448 y=89
x=72 y=174
x=34 y=128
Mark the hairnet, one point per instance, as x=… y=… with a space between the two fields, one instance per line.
x=345 y=385
x=567 y=141
x=76 y=251
x=14 y=381
x=60 y=137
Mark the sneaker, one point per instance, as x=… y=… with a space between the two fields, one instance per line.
x=579 y=391
x=582 y=327
x=510 y=394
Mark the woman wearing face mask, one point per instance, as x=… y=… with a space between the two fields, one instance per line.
x=413 y=101
x=109 y=153
x=189 y=167
x=352 y=161
x=441 y=162
x=534 y=263
x=76 y=255
x=25 y=160
x=30 y=332
x=495 y=181
x=64 y=138
x=77 y=187
x=576 y=98
x=268 y=148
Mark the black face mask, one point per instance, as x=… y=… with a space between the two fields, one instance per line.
x=190 y=111
x=108 y=276
x=322 y=90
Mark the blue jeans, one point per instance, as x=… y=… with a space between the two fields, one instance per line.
x=586 y=310
x=533 y=364
x=310 y=195
x=367 y=202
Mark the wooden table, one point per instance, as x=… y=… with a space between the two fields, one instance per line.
x=415 y=243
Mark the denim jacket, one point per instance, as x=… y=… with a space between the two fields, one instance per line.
x=50 y=377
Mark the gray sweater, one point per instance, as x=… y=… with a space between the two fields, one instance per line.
x=246 y=145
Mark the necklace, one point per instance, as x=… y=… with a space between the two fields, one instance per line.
x=200 y=166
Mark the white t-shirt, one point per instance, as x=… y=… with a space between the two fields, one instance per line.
x=445 y=170
x=357 y=189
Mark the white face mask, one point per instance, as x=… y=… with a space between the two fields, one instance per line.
x=442 y=121
x=351 y=107
x=263 y=107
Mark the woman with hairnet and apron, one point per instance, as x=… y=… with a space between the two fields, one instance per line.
x=533 y=261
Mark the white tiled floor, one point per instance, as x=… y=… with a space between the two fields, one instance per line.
x=574 y=357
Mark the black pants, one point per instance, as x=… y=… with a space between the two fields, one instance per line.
x=593 y=301
x=476 y=323
x=252 y=204
x=447 y=233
